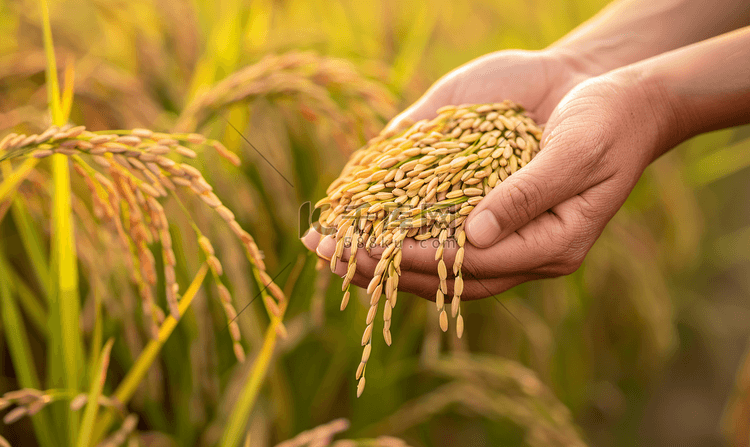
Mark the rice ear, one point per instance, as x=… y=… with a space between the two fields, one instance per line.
x=434 y=173
x=137 y=169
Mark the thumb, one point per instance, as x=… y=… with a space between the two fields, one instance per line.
x=587 y=140
x=549 y=179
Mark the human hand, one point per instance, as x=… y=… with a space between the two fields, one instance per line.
x=543 y=219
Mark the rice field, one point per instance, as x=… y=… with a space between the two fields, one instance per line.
x=160 y=159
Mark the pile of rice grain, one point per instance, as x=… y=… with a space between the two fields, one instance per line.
x=422 y=183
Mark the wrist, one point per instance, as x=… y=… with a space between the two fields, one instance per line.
x=696 y=89
x=653 y=109
x=572 y=68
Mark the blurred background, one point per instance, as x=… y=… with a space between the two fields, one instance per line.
x=647 y=344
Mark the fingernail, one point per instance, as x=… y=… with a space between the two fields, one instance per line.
x=483 y=229
x=326 y=248
x=309 y=243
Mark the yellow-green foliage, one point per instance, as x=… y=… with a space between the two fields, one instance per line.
x=654 y=320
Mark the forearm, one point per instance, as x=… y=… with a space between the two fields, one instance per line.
x=698 y=88
x=628 y=31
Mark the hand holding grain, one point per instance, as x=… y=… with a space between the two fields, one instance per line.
x=535 y=79
x=600 y=135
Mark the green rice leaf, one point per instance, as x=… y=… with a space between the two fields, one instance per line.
x=92 y=405
x=20 y=353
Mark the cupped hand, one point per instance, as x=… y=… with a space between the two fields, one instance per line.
x=600 y=135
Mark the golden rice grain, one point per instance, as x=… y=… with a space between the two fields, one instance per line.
x=423 y=184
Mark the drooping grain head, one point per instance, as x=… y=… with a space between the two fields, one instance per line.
x=137 y=169
x=321 y=435
x=422 y=184
x=323 y=89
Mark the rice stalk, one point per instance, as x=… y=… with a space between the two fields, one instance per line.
x=134 y=173
x=93 y=241
x=21 y=354
x=92 y=405
x=121 y=435
x=10 y=182
x=125 y=390
x=495 y=389
x=323 y=89
x=318 y=436
x=30 y=237
x=422 y=183
x=66 y=352
x=106 y=95
x=31 y=401
x=238 y=417
x=29 y=302
x=380 y=441
x=317 y=302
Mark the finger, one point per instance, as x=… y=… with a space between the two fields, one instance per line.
x=426 y=286
x=551 y=245
x=567 y=165
x=326 y=248
x=556 y=242
x=518 y=253
x=359 y=279
x=531 y=248
x=419 y=256
x=311 y=240
x=365 y=262
x=548 y=245
x=417 y=252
